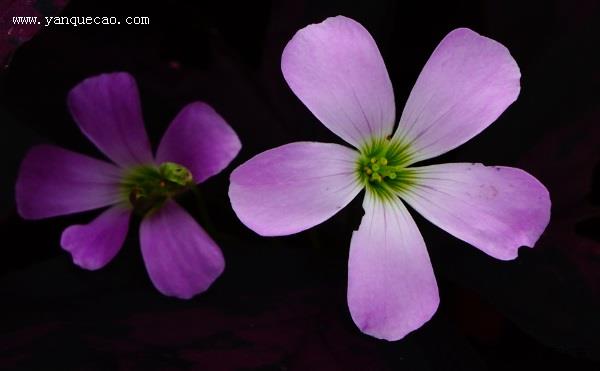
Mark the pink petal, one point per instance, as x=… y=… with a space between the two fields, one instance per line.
x=336 y=70
x=53 y=181
x=496 y=209
x=199 y=139
x=293 y=187
x=181 y=259
x=468 y=81
x=107 y=109
x=93 y=245
x=391 y=286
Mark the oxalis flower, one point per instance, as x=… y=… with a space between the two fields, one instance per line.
x=181 y=259
x=336 y=70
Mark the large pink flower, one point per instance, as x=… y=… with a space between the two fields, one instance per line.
x=181 y=259
x=335 y=68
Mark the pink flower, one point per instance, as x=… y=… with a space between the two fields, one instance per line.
x=336 y=70
x=181 y=259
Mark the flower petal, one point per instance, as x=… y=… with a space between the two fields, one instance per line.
x=107 y=109
x=199 y=139
x=496 y=209
x=391 y=286
x=181 y=259
x=468 y=81
x=336 y=70
x=93 y=245
x=294 y=187
x=54 y=181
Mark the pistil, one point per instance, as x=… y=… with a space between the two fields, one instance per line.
x=381 y=167
x=148 y=187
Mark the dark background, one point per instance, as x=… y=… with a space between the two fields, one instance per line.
x=281 y=303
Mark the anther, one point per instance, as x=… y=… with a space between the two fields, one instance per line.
x=376 y=177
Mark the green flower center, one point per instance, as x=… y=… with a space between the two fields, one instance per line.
x=381 y=167
x=147 y=187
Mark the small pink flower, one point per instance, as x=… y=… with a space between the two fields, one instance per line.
x=336 y=70
x=181 y=259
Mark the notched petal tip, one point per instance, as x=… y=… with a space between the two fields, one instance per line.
x=125 y=77
x=95 y=244
x=390 y=333
x=529 y=238
x=467 y=33
x=187 y=295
